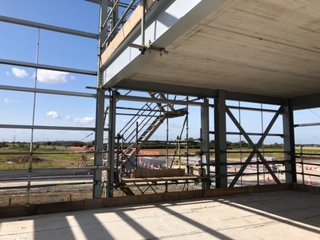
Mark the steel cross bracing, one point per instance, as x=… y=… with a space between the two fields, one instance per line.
x=255 y=147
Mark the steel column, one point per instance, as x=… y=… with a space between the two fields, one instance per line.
x=100 y=120
x=205 y=148
x=98 y=155
x=289 y=144
x=115 y=17
x=103 y=30
x=111 y=142
x=220 y=140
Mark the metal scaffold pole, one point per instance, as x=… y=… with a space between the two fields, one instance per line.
x=33 y=119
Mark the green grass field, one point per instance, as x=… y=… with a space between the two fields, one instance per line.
x=13 y=157
x=44 y=157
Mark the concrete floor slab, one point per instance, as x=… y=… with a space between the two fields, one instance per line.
x=270 y=215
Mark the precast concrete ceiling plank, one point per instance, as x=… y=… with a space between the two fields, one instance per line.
x=198 y=72
x=291 y=30
x=264 y=47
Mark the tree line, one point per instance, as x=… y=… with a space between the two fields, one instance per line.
x=190 y=143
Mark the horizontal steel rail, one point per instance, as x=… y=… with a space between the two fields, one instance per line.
x=47 y=91
x=47 y=67
x=253 y=109
x=252 y=134
x=158 y=100
x=48 y=27
x=41 y=127
x=307 y=124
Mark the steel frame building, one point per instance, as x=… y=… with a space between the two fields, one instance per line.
x=174 y=48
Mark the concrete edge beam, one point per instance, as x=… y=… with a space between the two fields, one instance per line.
x=19 y=211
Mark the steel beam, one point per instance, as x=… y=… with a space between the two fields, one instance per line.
x=220 y=140
x=256 y=134
x=195 y=91
x=48 y=27
x=165 y=88
x=47 y=91
x=253 y=109
x=158 y=100
x=47 y=67
x=303 y=102
x=307 y=124
x=46 y=127
x=244 y=97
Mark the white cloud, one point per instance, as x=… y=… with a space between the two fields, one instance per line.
x=53 y=114
x=68 y=118
x=84 y=121
x=52 y=77
x=10 y=101
x=19 y=72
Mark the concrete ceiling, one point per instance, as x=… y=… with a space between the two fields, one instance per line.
x=262 y=47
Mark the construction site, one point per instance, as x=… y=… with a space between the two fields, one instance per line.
x=196 y=114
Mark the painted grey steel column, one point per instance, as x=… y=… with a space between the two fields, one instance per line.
x=289 y=144
x=205 y=148
x=99 y=127
x=111 y=142
x=98 y=155
x=103 y=29
x=220 y=140
x=115 y=17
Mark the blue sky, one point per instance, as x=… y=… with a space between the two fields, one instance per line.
x=20 y=43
